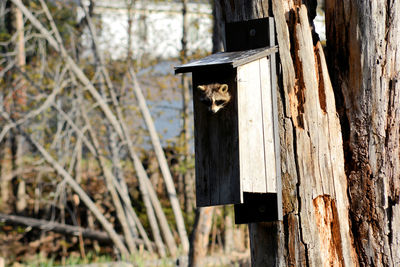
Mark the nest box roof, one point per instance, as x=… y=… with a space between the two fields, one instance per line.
x=233 y=59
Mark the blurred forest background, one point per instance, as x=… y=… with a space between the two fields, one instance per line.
x=96 y=137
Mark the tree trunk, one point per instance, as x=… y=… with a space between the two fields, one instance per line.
x=6 y=175
x=130 y=4
x=19 y=101
x=363 y=41
x=316 y=229
x=229 y=244
x=199 y=237
x=188 y=178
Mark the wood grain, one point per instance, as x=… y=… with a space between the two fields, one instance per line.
x=251 y=139
x=216 y=144
x=270 y=154
x=363 y=47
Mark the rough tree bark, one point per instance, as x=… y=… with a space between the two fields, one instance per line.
x=6 y=157
x=363 y=39
x=316 y=227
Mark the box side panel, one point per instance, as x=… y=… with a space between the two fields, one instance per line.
x=239 y=39
x=251 y=144
x=274 y=89
x=268 y=125
x=216 y=143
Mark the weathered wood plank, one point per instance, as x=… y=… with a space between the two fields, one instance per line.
x=268 y=125
x=216 y=144
x=251 y=148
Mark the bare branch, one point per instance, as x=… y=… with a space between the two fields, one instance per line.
x=25 y=170
x=109 y=177
x=37 y=24
x=131 y=212
x=142 y=176
x=58 y=227
x=73 y=66
x=75 y=186
x=77 y=130
x=53 y=25
x=169 y=183
x=9 y=66
x=46 y=104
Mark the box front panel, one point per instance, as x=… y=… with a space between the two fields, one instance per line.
x=251 y=136
x=216 y=143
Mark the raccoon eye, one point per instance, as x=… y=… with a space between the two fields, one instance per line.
x=220 y=102
x=206 y=101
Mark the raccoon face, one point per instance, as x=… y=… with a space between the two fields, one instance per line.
x=215 y=96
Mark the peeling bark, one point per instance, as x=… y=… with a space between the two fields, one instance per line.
x=329 y=230
x=363 y=41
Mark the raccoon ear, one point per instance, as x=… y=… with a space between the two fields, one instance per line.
x=201 y=87
x=223 y=88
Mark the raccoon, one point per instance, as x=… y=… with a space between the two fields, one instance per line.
x=215 y=96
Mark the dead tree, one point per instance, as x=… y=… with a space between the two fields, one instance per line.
x=340 y=176
x=363 y=50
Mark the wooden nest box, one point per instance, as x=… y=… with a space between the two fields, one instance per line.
x=236 y=132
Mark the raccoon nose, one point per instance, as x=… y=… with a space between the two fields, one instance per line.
x=214 y=109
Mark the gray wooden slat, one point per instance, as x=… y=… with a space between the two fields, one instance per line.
x=251 y=139
x=268 y=126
